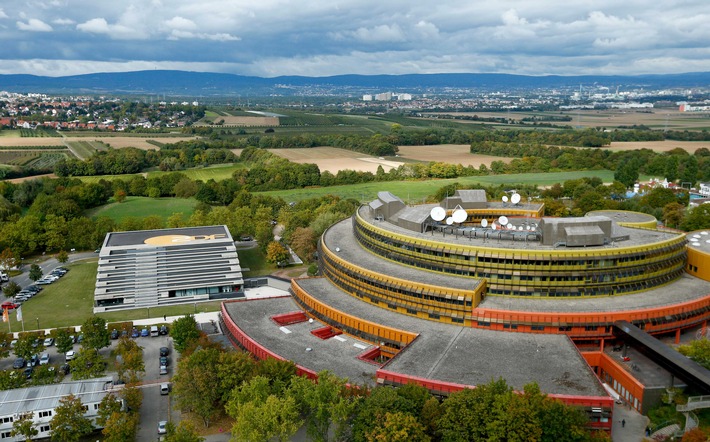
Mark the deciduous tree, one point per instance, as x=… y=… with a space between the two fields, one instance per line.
x=35 y=272
x=11 y=289
x=182 y=432
x=195 y=386
x=184 y=331
x=398 y=427
x=24 y=427
x=96 y=335
x=276 y=252
x=120 y=427
x=63 y=340
x=69 y=423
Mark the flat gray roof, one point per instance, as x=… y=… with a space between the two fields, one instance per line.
x=621 y=216
x=636 y=236
x=181 y=236
x=341 y=236
x=686 y=288
x=46 y=397
x=471 y=356
x=700 y=240
x=337 y=355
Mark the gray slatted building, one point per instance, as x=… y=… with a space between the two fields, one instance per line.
x=150 y=268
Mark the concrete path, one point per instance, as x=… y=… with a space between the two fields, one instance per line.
x=635 y=428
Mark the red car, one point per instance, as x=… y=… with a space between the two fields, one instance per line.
x=8 y=305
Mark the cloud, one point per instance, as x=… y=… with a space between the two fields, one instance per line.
x=2 y=14
x=34 y=25
x=63 y=21
x=180 y=23
x=116 y=31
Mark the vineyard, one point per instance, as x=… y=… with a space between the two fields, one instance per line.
x=39 y=132
x=33 y=159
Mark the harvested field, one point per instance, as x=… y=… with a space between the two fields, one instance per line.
x=334 y=159
x=115 y=142
x=248 y=121
x=27 y=178
x=448 y=153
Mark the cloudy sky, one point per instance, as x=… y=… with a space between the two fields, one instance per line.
x=329 y=37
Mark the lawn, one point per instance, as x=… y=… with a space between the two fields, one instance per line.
x=254 y=260
x=138 y=206
x=67 y=302
x=417 y=191
x=217 y=172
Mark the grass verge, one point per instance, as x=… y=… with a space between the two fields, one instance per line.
x=136 y=206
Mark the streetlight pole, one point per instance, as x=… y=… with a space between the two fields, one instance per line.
x=37 y=323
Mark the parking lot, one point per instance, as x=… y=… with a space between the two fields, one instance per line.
x=155 y=406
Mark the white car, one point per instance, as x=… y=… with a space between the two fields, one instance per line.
x=70 y=355
x=162 y=427
x=44 y=359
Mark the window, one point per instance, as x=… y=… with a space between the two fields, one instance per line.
x=96 y=406
x=44 y=428
x=7 y=419
x=6 y=435
x=47 y=413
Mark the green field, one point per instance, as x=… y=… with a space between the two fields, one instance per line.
x=217 y=172
x=417 y=191
x=10 y=133
x=136 y=206
x=83 y=149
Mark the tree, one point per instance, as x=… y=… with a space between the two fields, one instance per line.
x=234 y=368
x=184 y=331
x=23 y=346
x=109 y=404
x=303 y=243
x=24 y=426
x=63 y=340
x=195 y=384
x=673 y=214
x=271 y=418
x=697 y=350
x=119 y=195
x=133 y=398
x=62 y=256
x=627 y=173
x=87 y=363
x=323 y=403
x=96 y=335
x=398 y=427
x=129 y=363
x=35 y=272
x=276 y=252
x=5 y=339
x=11 y=289
x=69 y=423
x=120 y=426
x=183 y=432
x=7 y=260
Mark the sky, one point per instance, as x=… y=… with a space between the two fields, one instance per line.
x=318 y=38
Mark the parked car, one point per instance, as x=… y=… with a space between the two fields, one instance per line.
x=154 y=330
x=19 y=363
x=34 y=288
x=44 y=281
x=164 y=360
x=9 y=305
x=70 y=355
x=135 y=333
x=65 y=368
x=33 y=361
x=162 y=427
x=114 y=334
x=163 y=369
x=165 y=388
x=44 y=359
x=164 y=351
x=163 y=330
x=145 y=333
x=28 y=372
x=80 y=339
x=48 y=342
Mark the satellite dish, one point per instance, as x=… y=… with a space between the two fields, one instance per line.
x=505 y=198
x=484 y=222
x=515 y=198
x=459 y=215
x=438 y=213
x=449 y=221
x=502 y=220
x=493 y=226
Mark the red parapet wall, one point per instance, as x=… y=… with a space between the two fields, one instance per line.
x=253 y=347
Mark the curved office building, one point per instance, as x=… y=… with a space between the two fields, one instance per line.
x=431 y=290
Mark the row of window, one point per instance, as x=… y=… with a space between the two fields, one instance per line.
x=579 y=283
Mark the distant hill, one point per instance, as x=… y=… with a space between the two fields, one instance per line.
x=194 y=84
